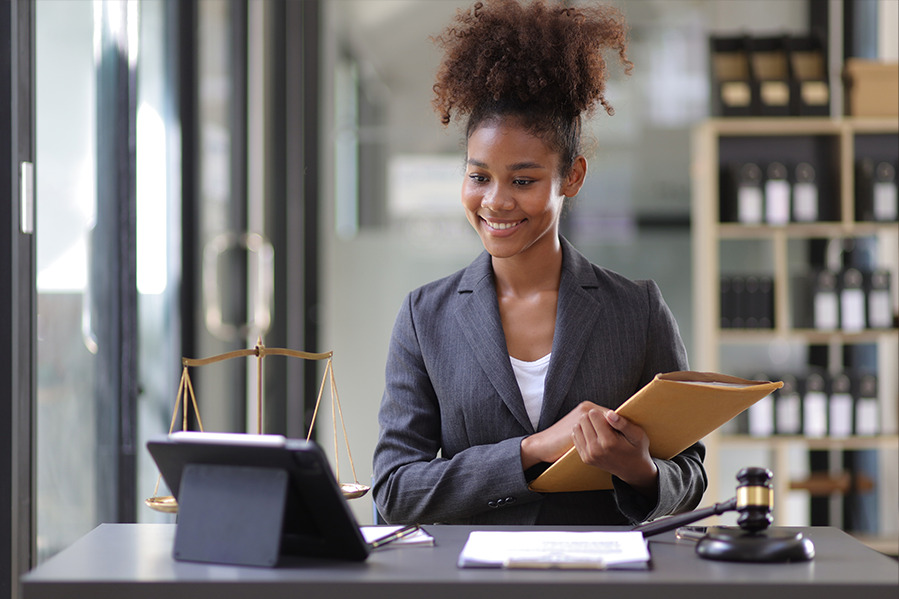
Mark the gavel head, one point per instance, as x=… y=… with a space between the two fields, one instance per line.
x=755 y=499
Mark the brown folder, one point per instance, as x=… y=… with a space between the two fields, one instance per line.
x=675 y=410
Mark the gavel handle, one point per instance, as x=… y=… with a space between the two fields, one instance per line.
x=671 y=522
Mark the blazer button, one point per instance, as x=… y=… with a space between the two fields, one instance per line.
x=491 y=503
x=510 y=499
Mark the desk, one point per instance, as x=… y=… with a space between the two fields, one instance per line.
x=134 y=561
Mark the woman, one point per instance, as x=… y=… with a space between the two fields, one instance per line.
x=496 y=371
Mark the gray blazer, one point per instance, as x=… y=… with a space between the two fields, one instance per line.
x=452 y=417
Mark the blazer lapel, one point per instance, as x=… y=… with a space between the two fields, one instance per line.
x=576 y=314
x=477 y=312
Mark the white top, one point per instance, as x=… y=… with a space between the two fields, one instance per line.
x=531 y=377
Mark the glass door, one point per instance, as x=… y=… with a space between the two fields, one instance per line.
x=67 y=474
x=108 y=240
x=153 y=197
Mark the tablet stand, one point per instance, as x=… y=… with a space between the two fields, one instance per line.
x=230 y=514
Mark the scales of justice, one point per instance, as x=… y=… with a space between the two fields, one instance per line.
x=186 y=398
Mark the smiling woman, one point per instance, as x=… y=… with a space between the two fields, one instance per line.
x=496 y=371
x=513 y=196
x=513 y=192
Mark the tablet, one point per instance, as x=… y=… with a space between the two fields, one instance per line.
x=317 y=522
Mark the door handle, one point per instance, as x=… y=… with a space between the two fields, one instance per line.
x=260 y=285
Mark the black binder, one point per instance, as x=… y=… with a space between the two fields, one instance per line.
x=852 y=300
x=777 y=194
x=814 y=406
x=841 y=407
x=751 y=305
x=760 y=415
x=865 y=169
x=727 y=302
x=825 y=300
x=750 y=195
x=867 y=406
x=765 y=302
x=788 y=407
x=884 y=192
x=876 y=191
x=738 y=302
x=806 y=208
x=877 y=292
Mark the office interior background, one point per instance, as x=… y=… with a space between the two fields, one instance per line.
x=209 y=173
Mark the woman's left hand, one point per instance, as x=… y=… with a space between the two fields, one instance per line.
x=606 y=440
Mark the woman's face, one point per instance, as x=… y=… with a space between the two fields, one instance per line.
x=513 y=192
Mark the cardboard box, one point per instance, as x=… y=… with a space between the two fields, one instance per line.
x=872 y=87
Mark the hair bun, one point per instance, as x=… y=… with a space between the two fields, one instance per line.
x=530 y=55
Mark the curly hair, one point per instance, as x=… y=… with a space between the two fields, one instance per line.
x=540 y=63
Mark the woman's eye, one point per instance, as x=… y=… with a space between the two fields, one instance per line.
x=522 y=182
x=477 y=178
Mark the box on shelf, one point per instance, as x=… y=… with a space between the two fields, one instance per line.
x=770 y=71
x=731 y=73
x=808 y=76
x=779 y=75
x=872 y=87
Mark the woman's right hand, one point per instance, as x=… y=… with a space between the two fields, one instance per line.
x=551 y=444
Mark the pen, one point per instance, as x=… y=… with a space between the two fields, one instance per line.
x=394 y=536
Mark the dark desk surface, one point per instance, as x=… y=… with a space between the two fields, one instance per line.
x=134 y=561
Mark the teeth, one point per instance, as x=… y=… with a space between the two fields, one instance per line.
x=500 y=226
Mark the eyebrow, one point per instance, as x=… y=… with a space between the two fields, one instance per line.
x=518 y=166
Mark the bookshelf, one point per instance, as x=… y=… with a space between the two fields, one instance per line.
x=782 y=252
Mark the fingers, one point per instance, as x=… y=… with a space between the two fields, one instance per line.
x=608 y=441
x=601 y=422
x=624 y=426
x=601 y=431
x=550 y=444
x=593 y=434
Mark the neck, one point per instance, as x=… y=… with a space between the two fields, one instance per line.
x=528 y=273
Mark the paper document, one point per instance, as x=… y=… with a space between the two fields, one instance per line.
x=419 y=537
x=675 y=410
x=625 y=550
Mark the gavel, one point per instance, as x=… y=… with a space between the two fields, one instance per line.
x=751 y=541
x=754 y=501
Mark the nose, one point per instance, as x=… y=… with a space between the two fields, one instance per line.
x=497 y=199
